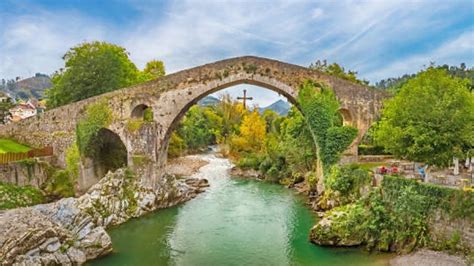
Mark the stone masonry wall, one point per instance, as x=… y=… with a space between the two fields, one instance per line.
x=19 y=173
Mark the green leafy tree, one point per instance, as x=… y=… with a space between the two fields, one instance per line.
x=337 y=70
x=91 y=69
x=430 y=120
x=395 y=84
x=4 y=109
x=199 y=128
x=153 y=69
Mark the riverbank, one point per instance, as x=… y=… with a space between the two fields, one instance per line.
x=72 y=230
x=443 y=216
x=237 y=221
x=428 y=258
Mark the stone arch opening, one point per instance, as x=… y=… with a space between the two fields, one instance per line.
x=108 y=153
x=143 y=112
x=346 y=117
x=287 y=92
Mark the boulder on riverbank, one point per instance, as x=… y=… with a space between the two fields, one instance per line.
x=339 y=227
x=185 y=166
x=72 y=230
x=245 y=173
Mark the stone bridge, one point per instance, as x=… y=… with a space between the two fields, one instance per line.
x=170 y=97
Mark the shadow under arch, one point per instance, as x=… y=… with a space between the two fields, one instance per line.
x=347 y=118
x=139 y=111
x=107 y=152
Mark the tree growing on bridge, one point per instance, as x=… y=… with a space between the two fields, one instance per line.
x=95 y=68
x=320 y=109
x=337 y=70
x=430 y=120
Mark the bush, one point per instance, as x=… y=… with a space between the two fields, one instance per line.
x=399 y=213
x=346 y=179
x=371 y=150
x=13 y=196
x=60 y=185
x=148 y=115
x=250 y=161
x=98 y=115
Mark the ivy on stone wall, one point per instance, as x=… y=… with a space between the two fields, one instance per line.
x=97 y=115
x=148 y=115
x=73 y=159
x=320 y=106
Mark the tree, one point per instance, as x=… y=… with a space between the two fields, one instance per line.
x=270 y=116
x=153 y=70
x=232 y=113
x=199 y=128
x=394 y=84
x=252 y=134
x=91 y=69
x=335 y=69
x=4 y=109
x=430 y=120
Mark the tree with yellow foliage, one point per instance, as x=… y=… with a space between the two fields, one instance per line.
x=252 y=134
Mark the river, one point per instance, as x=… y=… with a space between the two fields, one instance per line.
x=235 y=222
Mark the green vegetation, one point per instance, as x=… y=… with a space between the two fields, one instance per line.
x=95 y=68
x=395 y=84
x=397 y=216
x=13 y=196
x=335 y=69
x=7 y=145
x=134 y=124
x=343 y=185
x=97 y=116
x=60 y=184
x=148 y=115
x=4 y=108
x=430 y=120
x=320 y=108
x=153 y=69
x=201 y=126
x=283 y=149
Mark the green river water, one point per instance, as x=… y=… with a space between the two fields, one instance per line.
x=235 y=222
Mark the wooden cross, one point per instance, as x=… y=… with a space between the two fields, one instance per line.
x=245 y=98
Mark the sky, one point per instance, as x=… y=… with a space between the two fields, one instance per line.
x=378 y=39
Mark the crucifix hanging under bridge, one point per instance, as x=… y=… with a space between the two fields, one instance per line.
x=245 y=98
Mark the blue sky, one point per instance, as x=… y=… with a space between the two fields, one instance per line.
x=379 y=39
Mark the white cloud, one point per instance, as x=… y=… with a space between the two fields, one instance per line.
x=30 y=44
x=317 y=13
x=453 y=52
x=373 y=37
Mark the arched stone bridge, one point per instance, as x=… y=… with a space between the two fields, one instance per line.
x=170 y=97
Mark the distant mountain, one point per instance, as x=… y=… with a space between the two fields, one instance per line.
x=209 y=101
x=29 y=88
x=280 y=107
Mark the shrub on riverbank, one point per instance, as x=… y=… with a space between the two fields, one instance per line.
x=344 y=184
x=400 y=216
x=13 y=196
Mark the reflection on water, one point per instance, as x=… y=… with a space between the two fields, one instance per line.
x=235 y=222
